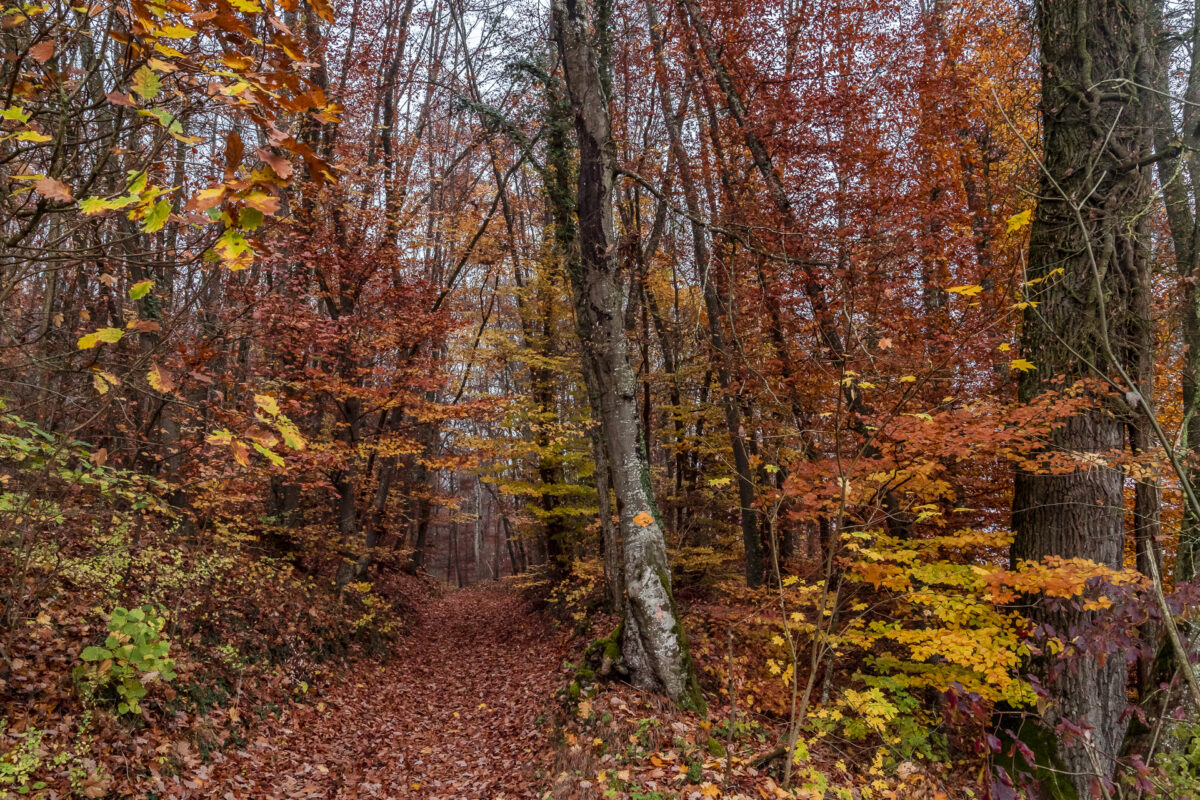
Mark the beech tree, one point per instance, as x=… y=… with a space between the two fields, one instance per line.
x=653 y=644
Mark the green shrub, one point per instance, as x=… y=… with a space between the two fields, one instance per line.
x=134 y=654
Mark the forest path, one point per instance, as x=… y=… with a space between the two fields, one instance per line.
x=457 y=712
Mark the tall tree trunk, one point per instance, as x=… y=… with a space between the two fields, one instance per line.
x=1088 y=261
x=653 y=645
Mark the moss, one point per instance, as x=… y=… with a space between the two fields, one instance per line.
x=714 y=747
x=612 y=645
x=692 y=698
x=604 y=653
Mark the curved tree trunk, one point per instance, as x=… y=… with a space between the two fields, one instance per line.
x=653 y=643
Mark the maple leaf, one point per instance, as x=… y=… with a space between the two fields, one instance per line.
x=644 y=519
x=1021 y=365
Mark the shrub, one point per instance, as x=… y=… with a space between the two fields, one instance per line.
x=134 y=654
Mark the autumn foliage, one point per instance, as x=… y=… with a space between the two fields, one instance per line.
x=709 y=328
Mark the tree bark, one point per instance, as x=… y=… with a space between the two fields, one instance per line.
x=653 y=645
x=1088 y=263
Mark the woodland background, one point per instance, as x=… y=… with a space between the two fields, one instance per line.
x=717 y=329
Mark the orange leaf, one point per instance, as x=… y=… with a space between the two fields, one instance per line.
x=42 y=51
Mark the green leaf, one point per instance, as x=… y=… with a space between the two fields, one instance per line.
x=15 y=114
x=140 y=289
x=290 y=433
x=269 y=454
x=157 y=217
x=96 y=205
x=94 y=653
x=249 y=219
x=146 y=84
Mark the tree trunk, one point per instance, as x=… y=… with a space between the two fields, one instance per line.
x=1088 y=267
x=653 y=645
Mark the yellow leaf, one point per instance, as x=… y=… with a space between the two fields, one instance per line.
x=146 y=84
x=220 y=437
x=290 y=433
x=102 y=380
x=267 y=403
x=1018 y=221
x=909 y=379
x=159 y=379
x=207 y=198
x=1022 y=365
x=109 y=335
x=269 y=454
x=176 y=32
x=969 y=290
x=32 y=136
x=1004 y=347
x=643 y=519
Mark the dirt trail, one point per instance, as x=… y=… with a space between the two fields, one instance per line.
x=458 y=712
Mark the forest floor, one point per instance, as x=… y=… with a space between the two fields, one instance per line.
x=461 y=709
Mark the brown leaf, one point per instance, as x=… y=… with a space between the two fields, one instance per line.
x=278 y=163
x=42 y=51
x=53 y=189
x=233 y=154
